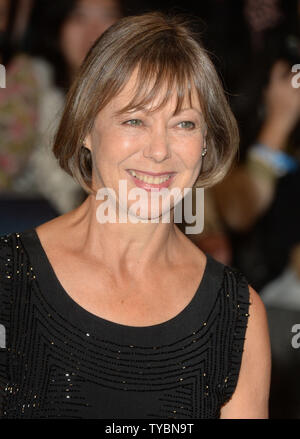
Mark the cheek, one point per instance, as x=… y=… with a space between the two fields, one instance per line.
x=189 y=150
x=111 y=147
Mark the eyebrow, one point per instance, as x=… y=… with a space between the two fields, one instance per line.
x=190 y=108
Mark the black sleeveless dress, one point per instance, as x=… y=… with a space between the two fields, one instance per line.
x=57 y=360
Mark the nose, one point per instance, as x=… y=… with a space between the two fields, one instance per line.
x=158 y=148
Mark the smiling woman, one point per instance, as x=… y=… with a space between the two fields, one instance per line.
x=167 y=60
x=118 y=319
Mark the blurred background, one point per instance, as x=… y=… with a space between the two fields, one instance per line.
x=252 y=218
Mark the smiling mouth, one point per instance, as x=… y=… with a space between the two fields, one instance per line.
x=150 y=179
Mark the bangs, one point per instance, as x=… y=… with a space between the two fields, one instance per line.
x=163 y=78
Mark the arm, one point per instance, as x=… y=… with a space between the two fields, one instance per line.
x=282 y=102
x=251 y=396
x=282 y=107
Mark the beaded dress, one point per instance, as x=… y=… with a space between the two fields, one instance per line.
x=57 y=360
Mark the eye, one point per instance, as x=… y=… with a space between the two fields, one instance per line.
x=133 y=122
x=187 y=124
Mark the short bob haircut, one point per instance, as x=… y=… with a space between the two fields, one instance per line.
x=168 y=56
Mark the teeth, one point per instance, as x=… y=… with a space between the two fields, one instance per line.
x=149 y=178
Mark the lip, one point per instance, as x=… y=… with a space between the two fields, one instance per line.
x=151 y=186
x=154 y=174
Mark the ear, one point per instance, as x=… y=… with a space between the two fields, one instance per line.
x=88 y=142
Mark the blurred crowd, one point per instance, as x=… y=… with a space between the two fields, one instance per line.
x=252 y=217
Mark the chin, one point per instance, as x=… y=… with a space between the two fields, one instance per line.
x=148 y=214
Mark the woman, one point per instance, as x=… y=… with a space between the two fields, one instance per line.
x=60 y=35
x=129 y=319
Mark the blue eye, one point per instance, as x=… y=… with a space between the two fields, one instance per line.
x=187 y=124
x=133 y=122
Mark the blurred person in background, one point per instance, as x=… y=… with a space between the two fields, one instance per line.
x=58 y=39
x=18 y=102
x=20 y=13
x=61 y=33
x=269 y=158
x=240 y=215
x=59 y=36
x=258 y=201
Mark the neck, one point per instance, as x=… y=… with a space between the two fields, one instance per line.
x=126 y=247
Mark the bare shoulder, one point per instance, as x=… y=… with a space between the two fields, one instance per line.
x=251 y=396
x=258 y=314
x=257 y=351
x=54 y=231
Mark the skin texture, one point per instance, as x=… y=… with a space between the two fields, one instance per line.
x=134 y=274
x=87 y=22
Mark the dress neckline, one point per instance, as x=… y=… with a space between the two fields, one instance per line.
x=55 y=293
